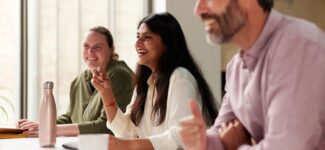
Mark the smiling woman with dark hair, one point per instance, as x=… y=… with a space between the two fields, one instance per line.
x=167 y=77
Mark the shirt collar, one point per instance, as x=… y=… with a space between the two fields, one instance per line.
x=150 y=80
x=251 y=56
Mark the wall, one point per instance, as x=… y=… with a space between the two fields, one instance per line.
x=207 y=56
x=312 y=10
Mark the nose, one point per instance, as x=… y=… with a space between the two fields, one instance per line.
x=138 y=43
x=200 y=7
x=90 y=50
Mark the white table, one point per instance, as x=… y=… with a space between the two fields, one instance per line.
x=88 y=142
x=32 y=143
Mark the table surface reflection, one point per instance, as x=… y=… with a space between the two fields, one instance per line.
x=32 y=143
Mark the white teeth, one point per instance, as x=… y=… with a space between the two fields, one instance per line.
x=209 y=21
x=210 y=25
x=142 y=52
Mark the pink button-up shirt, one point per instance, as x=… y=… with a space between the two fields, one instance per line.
x=277 y=88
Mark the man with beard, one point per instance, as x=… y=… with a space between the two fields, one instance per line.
x=274 y=84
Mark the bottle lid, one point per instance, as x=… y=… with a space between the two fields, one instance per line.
x=48 y=85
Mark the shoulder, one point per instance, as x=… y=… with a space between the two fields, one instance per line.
x=82 y=77
x=119 y=69
x=116 y=66
x=181 y=73
x=80 y=82
x=296 y=37
x=234 y=61
x=298 y=30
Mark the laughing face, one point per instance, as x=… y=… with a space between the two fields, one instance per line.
x=222 y=18
x=149 y=47
x=96 y=52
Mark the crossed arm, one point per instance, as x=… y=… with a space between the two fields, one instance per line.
x=193 y=134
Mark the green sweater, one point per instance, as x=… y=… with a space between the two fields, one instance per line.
x=86 y=107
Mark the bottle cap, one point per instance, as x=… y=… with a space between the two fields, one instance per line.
x=48 y=85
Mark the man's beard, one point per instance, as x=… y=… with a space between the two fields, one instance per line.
x=229 y=23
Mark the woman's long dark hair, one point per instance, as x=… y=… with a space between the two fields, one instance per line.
x=176 y=55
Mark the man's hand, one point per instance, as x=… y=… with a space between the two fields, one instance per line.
x=193 y=130
x=233 y=134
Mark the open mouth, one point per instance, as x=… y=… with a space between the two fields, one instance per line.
x=142 y=52
x=92 y=59
x=210 y=25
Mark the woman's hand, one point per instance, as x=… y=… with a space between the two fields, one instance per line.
x=115 y=143
x=100 y=81
x=31 y=128
x=104 y=88
x=102 y=84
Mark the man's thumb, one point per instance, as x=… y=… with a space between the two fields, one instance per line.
x=196 y=111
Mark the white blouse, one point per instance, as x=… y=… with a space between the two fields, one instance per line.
x=182 y=88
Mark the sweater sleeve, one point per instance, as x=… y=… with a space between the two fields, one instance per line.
x=95 y=126
x=66 y=117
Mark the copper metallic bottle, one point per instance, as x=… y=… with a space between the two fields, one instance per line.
x=47 y=117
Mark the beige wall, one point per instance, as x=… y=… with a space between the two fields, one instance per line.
x=312 y=10
x=206 y=55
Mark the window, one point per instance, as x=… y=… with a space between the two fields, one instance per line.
x=55 y=32
x=9 y=61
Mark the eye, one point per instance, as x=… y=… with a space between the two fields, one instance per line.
x=96 y=47
x=144 y=37
x=147 y=37
x=85 y=46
